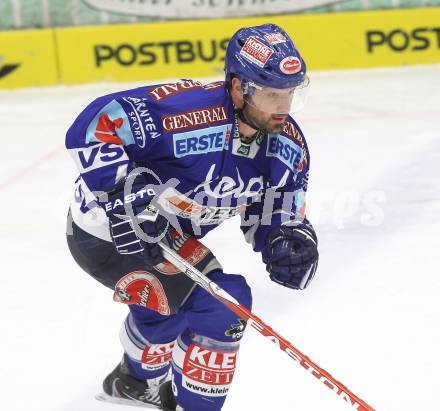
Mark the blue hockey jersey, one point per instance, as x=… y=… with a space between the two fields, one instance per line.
x=186 y=135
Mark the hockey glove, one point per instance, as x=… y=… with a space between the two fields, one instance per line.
x=291 y=255
x=135 y=225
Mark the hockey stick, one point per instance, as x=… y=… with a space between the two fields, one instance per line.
x=256 y=323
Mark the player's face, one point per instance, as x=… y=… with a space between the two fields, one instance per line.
x=270 y=100
x=271 y=123
x=269 y=107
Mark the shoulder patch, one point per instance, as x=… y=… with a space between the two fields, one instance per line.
x=110 y=125
x=285 y=150
x=141 y=120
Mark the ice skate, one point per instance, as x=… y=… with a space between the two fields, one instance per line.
x=121 y=388
x=167 y=398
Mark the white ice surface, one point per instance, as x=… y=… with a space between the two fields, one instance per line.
x=371 y=317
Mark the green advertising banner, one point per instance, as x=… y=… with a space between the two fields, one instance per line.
x=19 y=14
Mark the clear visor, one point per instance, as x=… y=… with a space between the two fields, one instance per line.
x=276 y=100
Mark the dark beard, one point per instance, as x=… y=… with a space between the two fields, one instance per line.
x=259 y=126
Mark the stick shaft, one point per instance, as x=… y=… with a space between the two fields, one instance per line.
x=220 y=294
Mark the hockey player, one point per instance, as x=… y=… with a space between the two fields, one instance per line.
x=170 y=162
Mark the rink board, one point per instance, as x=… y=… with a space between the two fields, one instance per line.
x=28 y=58
x=196 y=49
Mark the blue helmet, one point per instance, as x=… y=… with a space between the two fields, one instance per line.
x=265 y=55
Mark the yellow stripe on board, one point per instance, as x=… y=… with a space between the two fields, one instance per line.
x=196 y=49
x=27 y=58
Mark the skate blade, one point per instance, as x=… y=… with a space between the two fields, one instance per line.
x=123 y=401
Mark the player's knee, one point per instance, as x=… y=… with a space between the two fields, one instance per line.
x=245 y=297
x=235 y=285
x=207 y=317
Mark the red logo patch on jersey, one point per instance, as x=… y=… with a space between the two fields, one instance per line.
x=144 y=289
x=187 y=247
x=106 y=129
x=256 y=51
x=290 y=65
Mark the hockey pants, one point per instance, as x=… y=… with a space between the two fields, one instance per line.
x=200 y=342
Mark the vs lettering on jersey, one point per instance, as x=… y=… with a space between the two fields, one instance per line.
x=97 y=156
x=201 y=141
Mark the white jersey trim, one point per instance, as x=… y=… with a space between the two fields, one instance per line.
x=94 y=221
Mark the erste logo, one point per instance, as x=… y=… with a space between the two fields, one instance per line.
x=201 y=141
x=285 y=150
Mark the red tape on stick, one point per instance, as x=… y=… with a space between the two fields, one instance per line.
x=253 y=321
